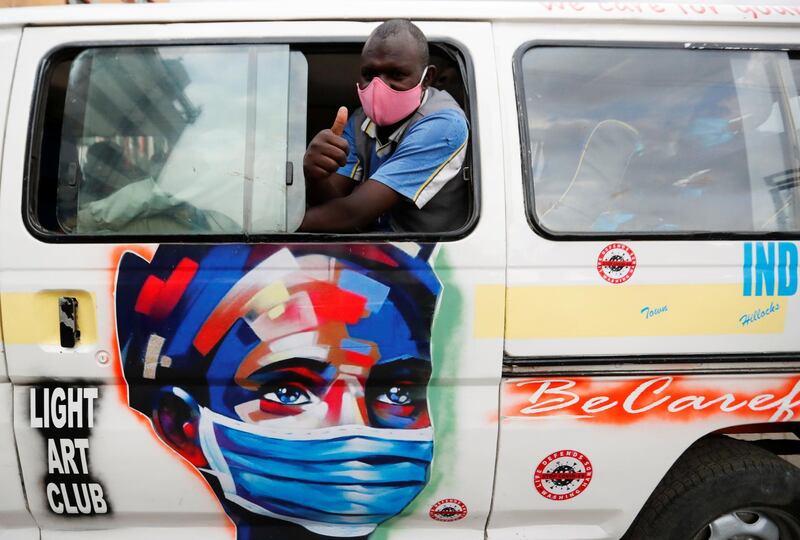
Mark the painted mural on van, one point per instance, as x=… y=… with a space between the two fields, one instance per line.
x=294 y=378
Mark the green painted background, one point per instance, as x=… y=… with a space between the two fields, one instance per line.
x=447 y=339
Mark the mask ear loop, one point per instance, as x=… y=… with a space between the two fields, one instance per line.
x=216 y=461
x=424 y=72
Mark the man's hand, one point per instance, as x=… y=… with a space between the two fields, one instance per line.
x=327 y=151
x=352 y=213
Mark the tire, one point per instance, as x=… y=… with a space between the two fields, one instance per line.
x=746 y=492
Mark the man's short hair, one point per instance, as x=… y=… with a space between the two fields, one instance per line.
x=398 y=26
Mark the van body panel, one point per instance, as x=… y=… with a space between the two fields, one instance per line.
x=566 y=325
x=557 y=398
x=17 y=521
x=500 y=11
x=613 y=422
x=155 y=483
x=9 y=44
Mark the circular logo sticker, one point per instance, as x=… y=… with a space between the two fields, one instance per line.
x=616 y=263
x=448 y=510
x=562 y=475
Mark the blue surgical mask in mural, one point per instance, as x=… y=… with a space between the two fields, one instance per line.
x=340 y=481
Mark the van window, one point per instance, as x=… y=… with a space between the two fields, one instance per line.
x=143 y=141
x=167 y=140
x=661 y=141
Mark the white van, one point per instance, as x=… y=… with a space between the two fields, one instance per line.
x=606 y=348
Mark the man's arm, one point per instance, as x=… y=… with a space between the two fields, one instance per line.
x=429 y=156
x=325 y=189
x=347 y=214
x=327 y=152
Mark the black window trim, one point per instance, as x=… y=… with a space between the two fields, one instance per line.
x=34 y=142
x=524 y=135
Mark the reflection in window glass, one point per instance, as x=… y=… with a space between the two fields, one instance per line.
x=166 y=140
x=655 y=140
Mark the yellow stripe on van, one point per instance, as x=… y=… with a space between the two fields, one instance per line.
x=618 y=311
x=32 y=318
x=489 y=307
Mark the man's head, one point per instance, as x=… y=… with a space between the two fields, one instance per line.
x=397 y=52
x=250 y=360
x=106 y=170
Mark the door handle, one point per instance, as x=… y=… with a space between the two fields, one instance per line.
x=68 y=321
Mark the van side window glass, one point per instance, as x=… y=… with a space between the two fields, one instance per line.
x=662 y=141
x=182 y=140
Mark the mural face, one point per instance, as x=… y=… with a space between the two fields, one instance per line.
x=294 y=378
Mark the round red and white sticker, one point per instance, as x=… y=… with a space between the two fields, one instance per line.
x=616 y=263
x=448 y=510
x=563 y=475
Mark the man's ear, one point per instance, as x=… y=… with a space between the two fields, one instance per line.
x=430 y=77
x=176 y=417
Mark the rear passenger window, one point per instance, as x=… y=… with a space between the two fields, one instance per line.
x=199 y=140
x=661 y=141
x=175 y=140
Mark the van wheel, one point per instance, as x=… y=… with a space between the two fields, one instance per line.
x=723 y=489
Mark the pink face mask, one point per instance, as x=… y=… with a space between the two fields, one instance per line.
x=385 y=105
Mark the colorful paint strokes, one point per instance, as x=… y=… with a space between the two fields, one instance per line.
x=294 y=378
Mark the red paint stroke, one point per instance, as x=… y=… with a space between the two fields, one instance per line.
x=148 y=295
x=158 y=298
x=357 y=359
x=334 y=304
x=280 y=409
x=662 y=398
x=334 y=400
x=219 y=322
x=310 y=377
x=374 y=254
x=422 y=421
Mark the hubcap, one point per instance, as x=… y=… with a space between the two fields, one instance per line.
x=750 y=524
x=743 y=526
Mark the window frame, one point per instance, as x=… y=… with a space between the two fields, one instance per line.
x=33 y=151
x=526 y=159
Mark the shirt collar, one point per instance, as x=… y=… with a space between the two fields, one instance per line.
x=371 y=130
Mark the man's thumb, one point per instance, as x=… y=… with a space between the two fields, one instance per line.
x=340 y=122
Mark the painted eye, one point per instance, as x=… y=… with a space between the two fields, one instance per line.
x=395 y=395
x=288 y=395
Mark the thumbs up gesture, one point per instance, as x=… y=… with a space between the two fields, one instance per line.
x=340 y=121
x=328 y=150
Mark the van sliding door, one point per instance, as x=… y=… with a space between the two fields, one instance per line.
x=186 y=366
